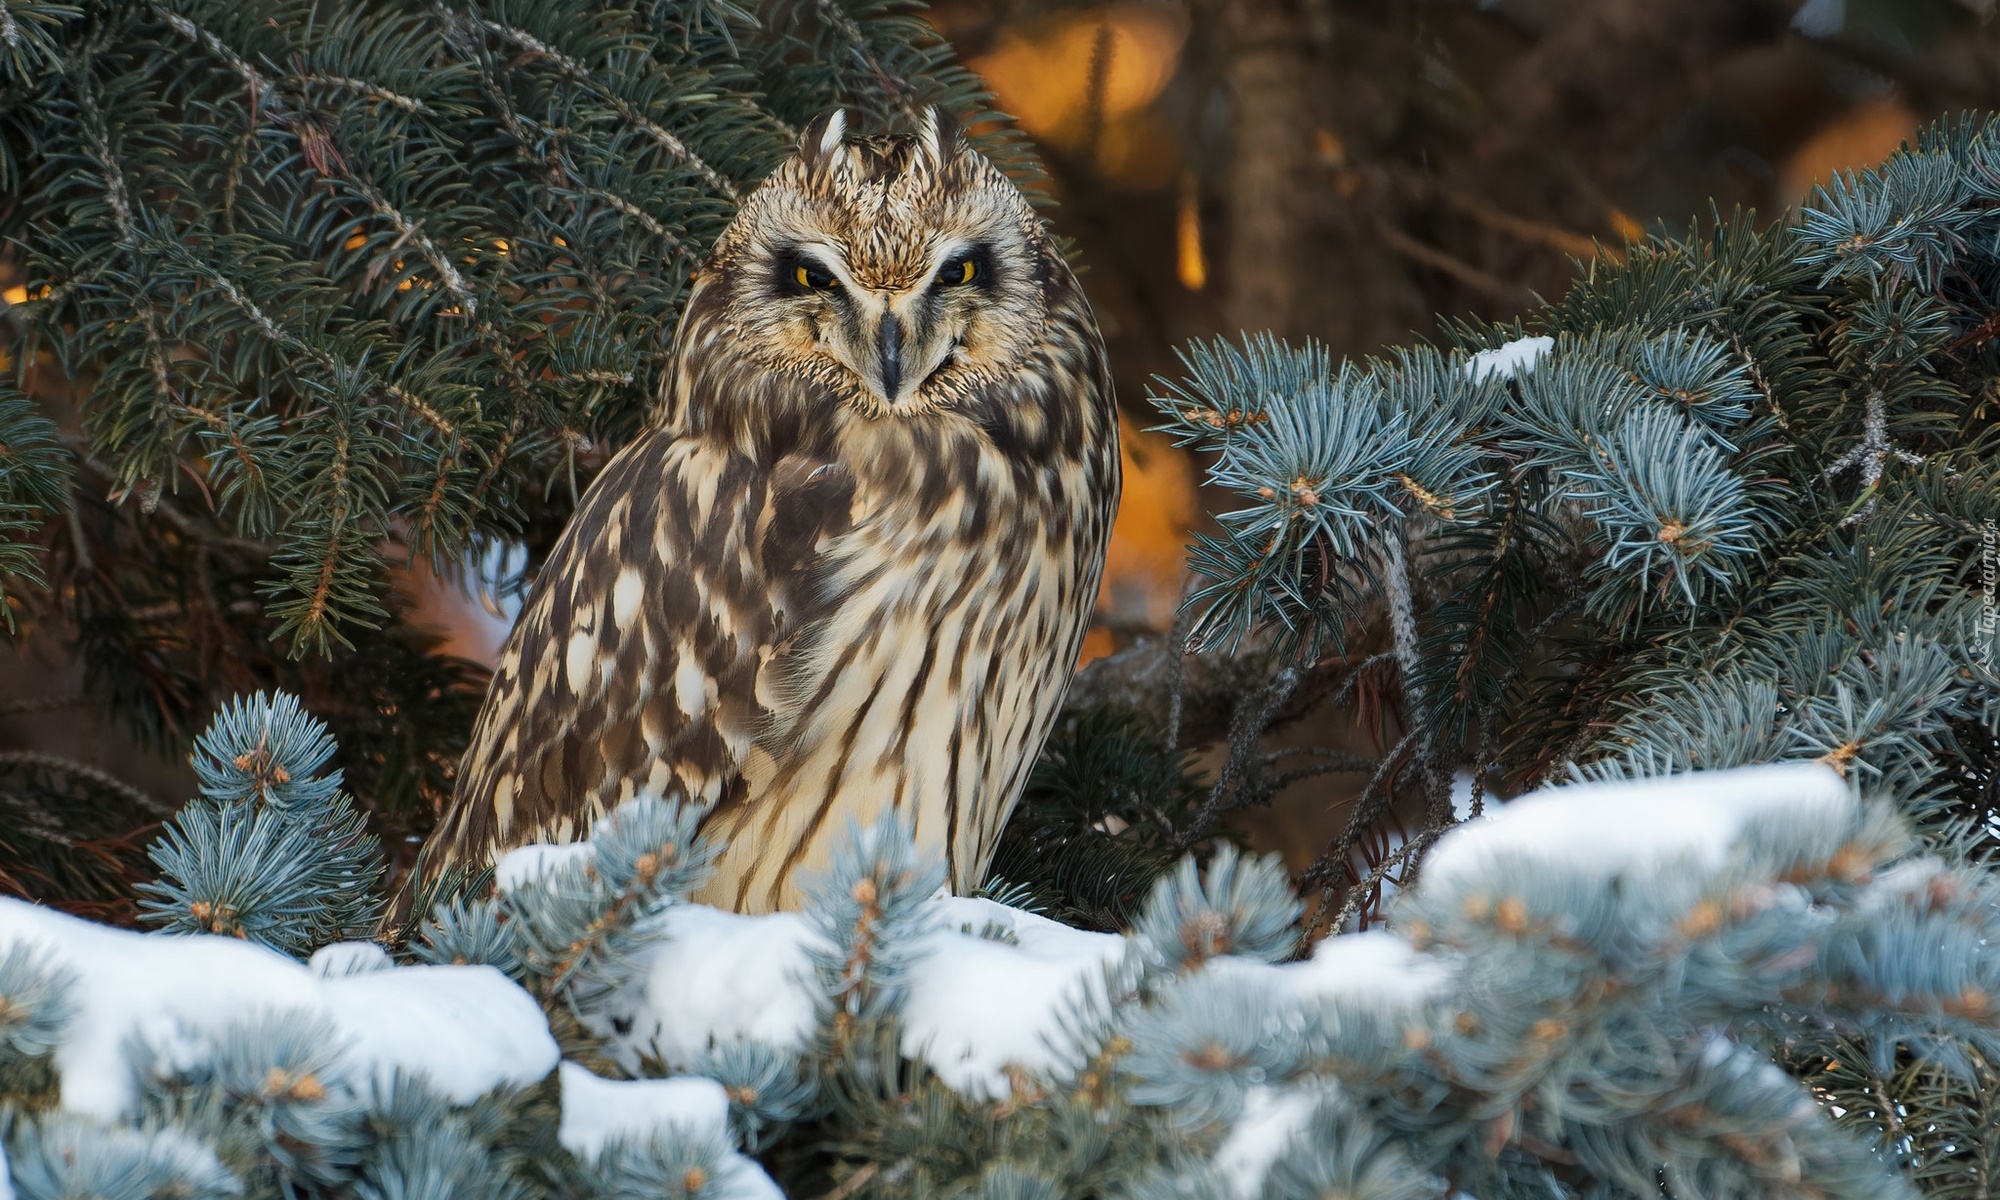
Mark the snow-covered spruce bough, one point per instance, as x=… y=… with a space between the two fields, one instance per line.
x=1584 y=995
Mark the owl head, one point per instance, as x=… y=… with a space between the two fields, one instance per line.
x=900 y=273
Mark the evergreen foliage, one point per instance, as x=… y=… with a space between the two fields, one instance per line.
x=314 y=295
x=66 y=1158
x=37 y=1001
x=1734 y=506
x=1734 y=501
x=1104 y=813
x=456 y=239
x=574 y=925
x=273 y=850
x=867 y=912
x=345 y=288
x=1585 y=999
x=35 y=477
x=72 y=835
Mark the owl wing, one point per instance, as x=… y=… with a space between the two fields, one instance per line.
x=634 y=667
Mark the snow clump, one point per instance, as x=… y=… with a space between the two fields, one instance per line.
x=1510 y=361
x=468 y=1029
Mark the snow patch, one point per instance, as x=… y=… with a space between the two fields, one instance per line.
x=1510 y=361
x=719 y=977
x=131 y=984
x=984 y=992
x=468 y=1028
x=1897 y=885
x=1603 y=829
x=1376 y=971
x=1271 y=1118
x=526 y=864
x=348 y=958
x=596 y=1110
x=1375 y=967
x=978 y=1003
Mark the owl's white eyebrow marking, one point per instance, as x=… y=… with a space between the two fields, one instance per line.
x=961 y=248
x=836 y=129
x=828 y=257
x=821 y=255
x=950 y=250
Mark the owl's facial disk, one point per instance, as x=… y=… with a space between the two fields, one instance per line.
x=902 y=274
x=895 y=335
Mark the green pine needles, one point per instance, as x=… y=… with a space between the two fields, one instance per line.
x=35 y=477
x=388 y=271
x=310 y=296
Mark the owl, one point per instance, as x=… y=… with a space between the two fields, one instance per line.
x=848 y=566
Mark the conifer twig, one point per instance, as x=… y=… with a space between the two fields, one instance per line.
x=103 y=779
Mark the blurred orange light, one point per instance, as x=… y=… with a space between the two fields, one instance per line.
x=1193 y=265
x=1148 y=557
x=1860 y=137
x=1329 y=149
x=1041 y=73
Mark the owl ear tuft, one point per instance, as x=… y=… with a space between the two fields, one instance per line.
x=822 y=137
x=940 y=136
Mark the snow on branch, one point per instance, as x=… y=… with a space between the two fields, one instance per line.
x=1584 y=982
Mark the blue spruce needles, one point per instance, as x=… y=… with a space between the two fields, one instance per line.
x=35 y=1003
x=1339 y=1152
x=69 y=1158
x=768 y=1088
x=1206 y=1041
x=269 y=1093
x=676 y=1165
x=1586 y=994
x=576 y=922
x=868 y=911
x=1241 y=906
x=461 y=931
x=272 y=849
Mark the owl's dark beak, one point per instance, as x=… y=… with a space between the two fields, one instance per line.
x=891 y=356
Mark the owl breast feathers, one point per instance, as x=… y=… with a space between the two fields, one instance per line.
x=849 y=566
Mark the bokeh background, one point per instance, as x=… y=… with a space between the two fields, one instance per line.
x=1354 y=171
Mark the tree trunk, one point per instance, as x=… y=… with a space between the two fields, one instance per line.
x=1268 y=57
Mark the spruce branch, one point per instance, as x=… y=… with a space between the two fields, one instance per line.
x=867 y=911
x=272 y=850
x=63 y=1155
x=1239 y=906
x=576 y=926
x=1870 y=453
x=577 y=71
x=103 y=779
x=35 y=1004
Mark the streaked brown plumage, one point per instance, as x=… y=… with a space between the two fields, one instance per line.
x=851 y=562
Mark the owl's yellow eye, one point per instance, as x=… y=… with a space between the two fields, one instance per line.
x=812 y=277
x=959 y=270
